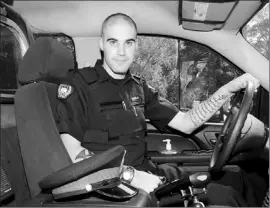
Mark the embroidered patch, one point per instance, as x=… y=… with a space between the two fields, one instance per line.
x=64 y=91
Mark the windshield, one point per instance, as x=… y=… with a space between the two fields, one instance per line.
x=256 y=31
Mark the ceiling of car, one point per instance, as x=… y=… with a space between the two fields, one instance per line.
x=84 y=18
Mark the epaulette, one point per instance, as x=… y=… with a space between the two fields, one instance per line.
x=89 y=74
x=137 y=76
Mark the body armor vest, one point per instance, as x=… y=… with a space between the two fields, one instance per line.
x=115 y=114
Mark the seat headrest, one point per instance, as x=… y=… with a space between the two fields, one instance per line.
x=46 y=60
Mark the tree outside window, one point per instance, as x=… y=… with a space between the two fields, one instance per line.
x=256 y=31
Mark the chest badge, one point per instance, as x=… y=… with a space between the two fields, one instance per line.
x=64 y=90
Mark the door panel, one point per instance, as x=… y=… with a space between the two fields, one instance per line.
x=203 y=138
x=207 y=135
x=179 y=143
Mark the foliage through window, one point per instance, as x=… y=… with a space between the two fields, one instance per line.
x=256 y=31
x=186 y=73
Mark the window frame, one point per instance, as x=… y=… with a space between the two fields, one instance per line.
x=256 y=11
x=249 y=19
x=7 y=95
x=209 y=48
x=17 y=32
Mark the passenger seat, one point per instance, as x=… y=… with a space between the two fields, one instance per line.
x=41 y=147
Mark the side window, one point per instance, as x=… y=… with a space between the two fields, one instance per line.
x=63 y=39
x=203 y=72
x=11 y=54
x=186 y=73
x=256 y=31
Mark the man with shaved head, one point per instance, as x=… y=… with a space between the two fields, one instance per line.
x=115 y=17
x=108 y=106
x=119 y=46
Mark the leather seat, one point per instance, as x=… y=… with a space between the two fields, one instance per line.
x=41 y=147
x=45 y=63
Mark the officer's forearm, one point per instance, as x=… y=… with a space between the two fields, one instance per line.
x=194 y=118
x=205 y=110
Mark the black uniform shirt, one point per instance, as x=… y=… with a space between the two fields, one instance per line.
x=72 y=112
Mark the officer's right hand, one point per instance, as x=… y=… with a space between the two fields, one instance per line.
x=240 y=83
x=147 y=182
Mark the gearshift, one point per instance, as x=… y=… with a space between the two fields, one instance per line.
x=199 y=182
x=189 y=187
x=197 y=185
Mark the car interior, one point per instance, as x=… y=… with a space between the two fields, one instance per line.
x=34 y=57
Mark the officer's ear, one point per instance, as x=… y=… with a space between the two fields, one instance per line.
x=101 y=46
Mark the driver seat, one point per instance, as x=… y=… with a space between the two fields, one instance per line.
x=43 y=153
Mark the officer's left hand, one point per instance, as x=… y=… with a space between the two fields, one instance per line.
x=147 y=182
x=252 y=135
x=240 y=83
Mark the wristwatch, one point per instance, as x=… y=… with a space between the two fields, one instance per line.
x=127 y=174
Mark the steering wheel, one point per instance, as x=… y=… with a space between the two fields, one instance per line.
x=231 y=129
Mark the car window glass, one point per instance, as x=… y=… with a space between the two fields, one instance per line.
x=256 y=31
x=11 y=54
x=186 y=73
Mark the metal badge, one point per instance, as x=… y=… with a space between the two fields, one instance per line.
x=64 y=90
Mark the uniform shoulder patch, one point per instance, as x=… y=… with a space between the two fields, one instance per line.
x=64 y=91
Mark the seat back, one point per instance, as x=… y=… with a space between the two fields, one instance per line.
x=41 y=147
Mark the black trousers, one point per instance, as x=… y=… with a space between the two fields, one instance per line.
x=233 y=188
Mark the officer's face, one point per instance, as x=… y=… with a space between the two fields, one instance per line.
x=118 y=45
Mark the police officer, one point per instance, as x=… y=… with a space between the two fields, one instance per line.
x=106 y=105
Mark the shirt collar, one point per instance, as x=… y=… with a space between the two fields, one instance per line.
x=104 y=76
